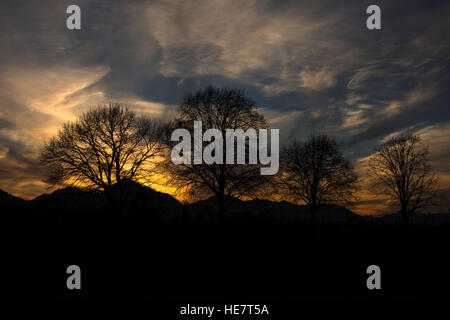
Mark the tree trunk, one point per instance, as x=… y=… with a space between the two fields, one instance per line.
x=407 y=235
x=112 y=214
x=313 y=211
x=220 y=220
x=404 y=215
x=221 y=204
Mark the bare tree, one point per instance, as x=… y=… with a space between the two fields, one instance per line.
x=400 y=166
x=101 y=149
x=315 y=172
x=219 y=109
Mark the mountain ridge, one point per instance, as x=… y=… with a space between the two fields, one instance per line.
x=139 y=197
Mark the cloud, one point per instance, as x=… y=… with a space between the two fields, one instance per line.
x=33 y=104
x=437 y=138
x=317 y=80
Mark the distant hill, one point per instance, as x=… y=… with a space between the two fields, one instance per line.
x=7 y=199
x=138 y=198
x=68 y=199
x=266 y=209
x=143 y=200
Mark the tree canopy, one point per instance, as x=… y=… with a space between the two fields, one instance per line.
x=104 y=146
x=400 y=166
x=315 y=172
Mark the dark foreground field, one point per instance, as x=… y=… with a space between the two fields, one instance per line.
x=171 y=253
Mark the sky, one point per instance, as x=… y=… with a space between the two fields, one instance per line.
x=310 y=66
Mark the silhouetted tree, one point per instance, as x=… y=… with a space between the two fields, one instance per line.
x=316 y=173
x=400 y=166
x=101 y=149
x=219 y=109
